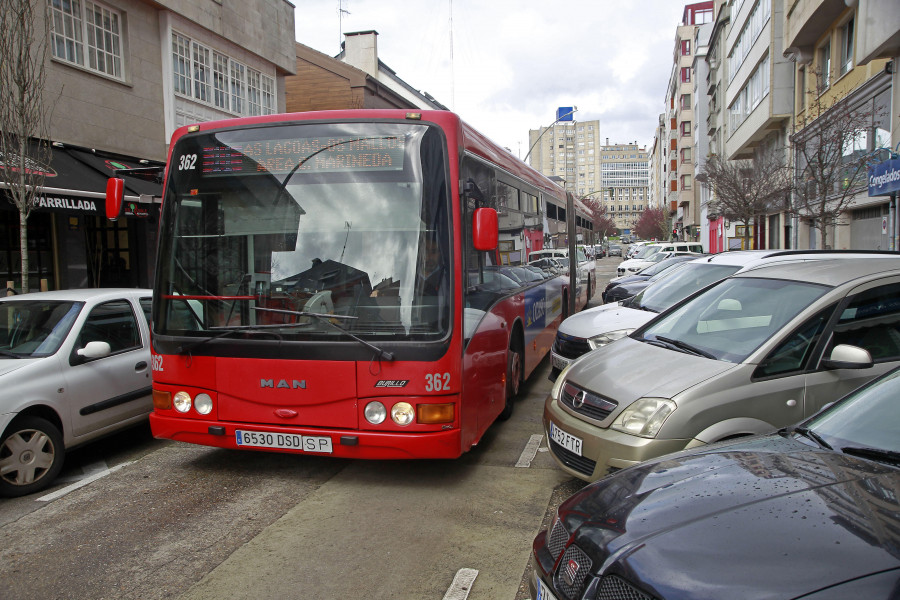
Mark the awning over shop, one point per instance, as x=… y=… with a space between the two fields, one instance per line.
x=75 y=181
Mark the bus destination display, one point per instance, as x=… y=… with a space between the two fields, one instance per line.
x=305 y=155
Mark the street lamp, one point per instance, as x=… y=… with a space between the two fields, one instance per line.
x=560 y=118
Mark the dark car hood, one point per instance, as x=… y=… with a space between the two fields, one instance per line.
x=770 y=517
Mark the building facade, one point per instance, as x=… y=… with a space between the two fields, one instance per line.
x=843 y=55
x=681 y=198
x=625 y=183
x=121 y=77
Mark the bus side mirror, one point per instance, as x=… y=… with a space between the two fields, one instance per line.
x=485 y=229
x=115 y=194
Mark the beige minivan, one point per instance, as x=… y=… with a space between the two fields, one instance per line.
x=758 y=351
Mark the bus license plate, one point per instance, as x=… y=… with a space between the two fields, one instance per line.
x=289 y=441
x=566 y=440
x=558 y=362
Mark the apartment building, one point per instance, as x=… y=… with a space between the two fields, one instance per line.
x=568 y=152
x=624 y=183
x=844 y=56
x=122 y=75
x=681 y=197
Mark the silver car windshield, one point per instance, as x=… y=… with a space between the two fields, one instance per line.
x=731 y=320
x=34 y=328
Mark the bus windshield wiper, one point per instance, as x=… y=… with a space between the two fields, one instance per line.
x=225 y=331
x=809 y=433
x=8 y=354
x=326 y=319
x=686 y=347
x=890 y=456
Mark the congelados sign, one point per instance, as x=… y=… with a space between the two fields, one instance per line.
x=884 y=178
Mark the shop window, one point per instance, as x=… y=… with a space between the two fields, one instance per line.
x=40 y=251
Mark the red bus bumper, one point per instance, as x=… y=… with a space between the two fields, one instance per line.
x=344 y=443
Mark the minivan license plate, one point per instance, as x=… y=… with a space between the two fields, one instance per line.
x=566 y=440
x=287 y=441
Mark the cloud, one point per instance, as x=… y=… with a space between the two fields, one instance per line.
x=513 y=62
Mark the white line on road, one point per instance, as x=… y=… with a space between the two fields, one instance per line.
x=462 y=584
x=71 y=488
x=530 y=451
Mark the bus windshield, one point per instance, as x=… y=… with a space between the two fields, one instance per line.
x=266 y=226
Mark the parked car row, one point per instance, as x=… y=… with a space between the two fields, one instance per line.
x=731 y=349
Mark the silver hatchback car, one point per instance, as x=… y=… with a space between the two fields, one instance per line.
x=74 y=365
x=757 y=351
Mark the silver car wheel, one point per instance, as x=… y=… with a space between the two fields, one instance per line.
x=31 y=455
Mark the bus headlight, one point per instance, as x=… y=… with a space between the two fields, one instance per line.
x=402 y=413
x=375 y=413
x=182 y=402
x=203 y=404
x=645 y=417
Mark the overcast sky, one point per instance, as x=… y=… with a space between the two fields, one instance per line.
x=513 y=62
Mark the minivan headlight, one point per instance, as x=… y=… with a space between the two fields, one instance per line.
x=598 y=341
x=645 y=417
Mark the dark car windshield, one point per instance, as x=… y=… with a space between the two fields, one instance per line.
x=732 y=319
x=867 y=419
x=32 y=328
x=689 y=278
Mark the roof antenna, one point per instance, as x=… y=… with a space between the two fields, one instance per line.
x=341 y=12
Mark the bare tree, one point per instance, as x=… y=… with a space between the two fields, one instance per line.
x=833 y=148
x=744 y=190
x=603 y=224
x=653 y=224
x=24 y=117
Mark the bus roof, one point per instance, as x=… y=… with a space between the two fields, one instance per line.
x=457 y=130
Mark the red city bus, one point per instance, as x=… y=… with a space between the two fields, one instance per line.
x=348 y=283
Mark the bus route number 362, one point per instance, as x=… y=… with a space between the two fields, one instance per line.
x=437 y=382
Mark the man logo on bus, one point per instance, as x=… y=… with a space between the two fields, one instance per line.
x=283 y=384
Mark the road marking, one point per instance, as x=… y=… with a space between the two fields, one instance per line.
x=86 y=470
x=71 y=488
x=530 y=450
x=462 y=584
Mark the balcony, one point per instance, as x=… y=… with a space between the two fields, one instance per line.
x=712 y=123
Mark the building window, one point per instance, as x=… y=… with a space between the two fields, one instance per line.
x=685 y=182
x=201 y=73
x=685 y=74
x=181 y=59
x=220 y=81
x=214 y=78
x=847 y=42
x=825 y=66
x=87 y=35
x=685 y=128
x=685 y=47
x=685 y=102
x=686 y=155
x=801 y=88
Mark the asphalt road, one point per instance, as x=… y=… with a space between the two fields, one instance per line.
x=138 y=518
